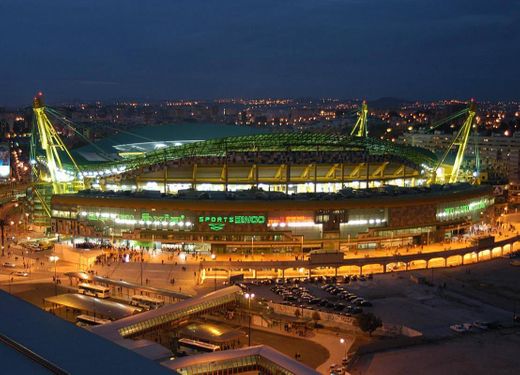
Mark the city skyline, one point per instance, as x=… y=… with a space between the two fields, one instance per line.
x=346 y=49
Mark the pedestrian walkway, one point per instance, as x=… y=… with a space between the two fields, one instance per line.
x=329 y=340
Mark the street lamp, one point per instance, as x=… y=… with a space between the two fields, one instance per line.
x=213 y=257
x=249 y=297
x=10 y=281
x=55 y=258
x=2 y=223
x=342 y=341
x=141 y=261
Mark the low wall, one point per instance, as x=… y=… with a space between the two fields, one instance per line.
x=83 y=258
x=399 y=330
x=308 y=313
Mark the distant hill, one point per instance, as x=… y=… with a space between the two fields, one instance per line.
x=388 y=102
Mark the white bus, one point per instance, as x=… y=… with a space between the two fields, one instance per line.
x=188 y=346
x=87 y=321
x=146 y=303
x=94 y=290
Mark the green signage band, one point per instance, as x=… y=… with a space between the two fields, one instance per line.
x=217 y=223
x=251 y=219
x=473 y=206
x=216 y=227
x=145 y=217
x=464 y=209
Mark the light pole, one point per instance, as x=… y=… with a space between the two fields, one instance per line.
x=344 y=342
x=141 y=265
x=249 y=297
x=2 y=224
x=55 y=258
x=10 y=281
x=213 y=257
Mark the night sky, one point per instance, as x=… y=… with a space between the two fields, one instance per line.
x=169 y=49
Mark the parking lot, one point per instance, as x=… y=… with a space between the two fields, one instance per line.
x=428 y=308
x=321 y=294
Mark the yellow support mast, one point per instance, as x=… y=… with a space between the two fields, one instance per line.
x=461 y=140
x=52 y=144
x=360 y=129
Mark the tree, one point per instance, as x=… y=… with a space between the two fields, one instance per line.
x=316 y=316
x=368 y=322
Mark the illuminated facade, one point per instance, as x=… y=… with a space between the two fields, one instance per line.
x=262 y=221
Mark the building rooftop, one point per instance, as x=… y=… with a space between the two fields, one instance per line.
x=147 y=138
x=110 y=309
x=33 y=341
x=241 y=357
x=140 y=323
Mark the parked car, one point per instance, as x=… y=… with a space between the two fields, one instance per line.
x=9 y=265
x=480 y=324
x=460 y=328
x=21 y=273
x=354 y=309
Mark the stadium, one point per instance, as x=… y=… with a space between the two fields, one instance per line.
x=267 y=192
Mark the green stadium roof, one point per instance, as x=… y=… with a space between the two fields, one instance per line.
x=164 y=133
x=294 y=142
